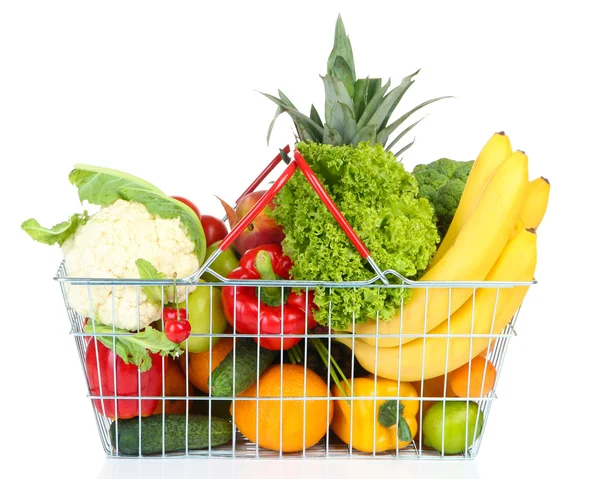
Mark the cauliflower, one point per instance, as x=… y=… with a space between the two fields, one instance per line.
x=442 y=182
x=108 y=245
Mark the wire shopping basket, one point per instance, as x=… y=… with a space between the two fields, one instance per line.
x=395 y=395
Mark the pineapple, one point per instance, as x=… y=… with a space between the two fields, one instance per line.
x=356 y=110
x=361 y=174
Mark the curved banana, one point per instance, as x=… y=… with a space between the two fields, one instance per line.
x=470 y=258
x=425 y=358
x=536 y=202
x=491 y=156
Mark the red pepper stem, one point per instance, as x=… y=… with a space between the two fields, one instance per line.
x=270 y=295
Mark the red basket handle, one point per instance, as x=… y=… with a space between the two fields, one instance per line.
x=299 y=162
x=337 y=214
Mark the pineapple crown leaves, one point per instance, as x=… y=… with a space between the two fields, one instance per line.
x=356 y=110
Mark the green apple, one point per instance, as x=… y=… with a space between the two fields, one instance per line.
x=224 y=264
x=199 y=315
x=454 y=427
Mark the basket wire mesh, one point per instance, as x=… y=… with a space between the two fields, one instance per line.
x=330 y=445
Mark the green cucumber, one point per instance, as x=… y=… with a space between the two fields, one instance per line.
x=222 y=380
x=174 y=433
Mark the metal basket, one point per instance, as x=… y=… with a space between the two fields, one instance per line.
x=330 y=445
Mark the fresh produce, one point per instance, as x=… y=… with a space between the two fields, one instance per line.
x=334 y=353
x=177 y=427
x=536 y=202
x=177 y=327
x=378 y=198
x=224 y=264
x=516 y=263
x=270 y=311
x=391 y=424
x=249 y=358
x=262 y=230
x=491 y=156
x=470 y=258
x=205 y=314
x=301 y=423
x=457 y=426
x=473 y=380
x=214 y=229
x=162 y=231
x=189 y=203
x=200 y=365
x=356 y=110
x=433 y=388
x=371 y=188
x=442 y=182
x=175 y=385
x=105 y=370
x=213 y=407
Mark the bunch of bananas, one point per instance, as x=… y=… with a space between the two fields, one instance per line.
x=492 y=237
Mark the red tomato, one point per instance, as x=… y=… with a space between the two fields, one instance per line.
x=189 y=203
x=214 y=229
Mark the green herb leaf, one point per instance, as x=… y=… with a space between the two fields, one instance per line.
x=404 y=433
x=148 y=271
x=58 y=233
x=133 y=349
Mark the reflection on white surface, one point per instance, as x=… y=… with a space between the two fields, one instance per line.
x=288 y=468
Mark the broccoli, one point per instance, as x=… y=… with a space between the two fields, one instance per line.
x=442 y=182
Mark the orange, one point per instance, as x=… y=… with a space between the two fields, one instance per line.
x=292 y=411
x=459 y=378
x=433 y=388
x=199 y=367
x=174 y=386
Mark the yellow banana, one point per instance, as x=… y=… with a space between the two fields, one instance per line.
x=470 y=258
x=493 y=153
x=492 y=306
x=536 y=202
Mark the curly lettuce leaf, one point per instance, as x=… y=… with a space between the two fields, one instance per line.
x=379 y=199
x=103 y=186
x=58 y=233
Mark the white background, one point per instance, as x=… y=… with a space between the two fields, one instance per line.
x=169 y=91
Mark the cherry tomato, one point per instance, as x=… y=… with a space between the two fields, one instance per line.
x=171 y=314
x=189 y=203
x=214 y=228
x=178 y=331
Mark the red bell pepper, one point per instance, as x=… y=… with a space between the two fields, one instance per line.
x=115 y=362
x=126 y=382
x=267 y=262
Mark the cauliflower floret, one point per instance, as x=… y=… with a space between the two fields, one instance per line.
x=108 y=245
